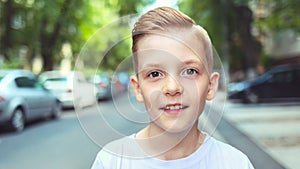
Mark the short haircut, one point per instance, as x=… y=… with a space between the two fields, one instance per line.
x=167 y=20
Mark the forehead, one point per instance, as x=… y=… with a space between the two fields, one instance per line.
x=183 y=37
x=180 y=45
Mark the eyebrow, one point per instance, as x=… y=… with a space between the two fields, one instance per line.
x=186 y=62
x=193 y=61
x=151 y=65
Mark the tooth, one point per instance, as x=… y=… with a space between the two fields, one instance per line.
x=172 y=107
x=177 y=107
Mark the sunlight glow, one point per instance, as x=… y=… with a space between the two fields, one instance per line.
x=160 y=3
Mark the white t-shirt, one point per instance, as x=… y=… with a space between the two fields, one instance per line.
x=212 y=154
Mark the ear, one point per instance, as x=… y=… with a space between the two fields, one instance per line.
x=213 y=85
x=136 y=88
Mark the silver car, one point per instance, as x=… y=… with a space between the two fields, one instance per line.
x=23 y=99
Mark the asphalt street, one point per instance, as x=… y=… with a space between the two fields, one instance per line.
x=59 y=144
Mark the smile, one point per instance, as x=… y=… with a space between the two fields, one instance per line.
x=177 y=107
x=173 y=108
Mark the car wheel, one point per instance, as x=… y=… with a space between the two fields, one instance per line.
x=17 y=122
x=56 y=110
x=251 y=97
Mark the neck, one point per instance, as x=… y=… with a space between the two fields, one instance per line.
x=170 y=146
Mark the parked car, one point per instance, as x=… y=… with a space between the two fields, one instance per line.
x=71 y=88
x=281 y=83
x=107 y=85
x=23 y=99
x=124 y=77
x=103 y=84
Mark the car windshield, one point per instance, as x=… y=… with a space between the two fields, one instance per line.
x=2 y=74
x=56 y=83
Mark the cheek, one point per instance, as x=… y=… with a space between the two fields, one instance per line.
x=151 y=95
x=152 y=99
x=196 y=89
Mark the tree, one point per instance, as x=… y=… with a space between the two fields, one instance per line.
x=56 y=30
x=108 y=44
x=278 y=15
x=229 y=23
x=273 y=18
x=238 y=27
x=39 y=27
x=7 y=10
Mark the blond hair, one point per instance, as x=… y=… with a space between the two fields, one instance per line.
x=166 y=20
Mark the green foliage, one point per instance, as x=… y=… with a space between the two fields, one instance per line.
x=92 y=29
x=14 y=62
x=108 y=46
x=279 y=15
x=107 y=34
x=129 y=6
x=43 y=27
x=210 y=19
x=231 y=23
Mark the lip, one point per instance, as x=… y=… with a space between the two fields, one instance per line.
x=175 y=108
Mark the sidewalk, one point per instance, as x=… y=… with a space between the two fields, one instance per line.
x=274 y=128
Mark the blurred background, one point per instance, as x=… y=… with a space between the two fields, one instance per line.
x=258 y=42
x=249 y=35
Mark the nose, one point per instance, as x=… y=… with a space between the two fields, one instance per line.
x=172 y=86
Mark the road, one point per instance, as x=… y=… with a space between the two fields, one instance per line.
x=73 y=141
x=59 y=144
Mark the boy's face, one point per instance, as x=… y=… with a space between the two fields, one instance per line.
x=172 y=82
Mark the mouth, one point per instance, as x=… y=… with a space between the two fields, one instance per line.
x=173 y=108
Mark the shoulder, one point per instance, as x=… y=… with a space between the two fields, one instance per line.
x=118 y=152
x=227 y=155
x=225 y=148
x=109 y=155
x=124 y=147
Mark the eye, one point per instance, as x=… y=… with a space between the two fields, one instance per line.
x=154 y=74
x=190 y=72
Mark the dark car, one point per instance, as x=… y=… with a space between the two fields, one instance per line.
x=280 y=83
x=23 y=98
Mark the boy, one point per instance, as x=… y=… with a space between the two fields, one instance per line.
x=173 y=62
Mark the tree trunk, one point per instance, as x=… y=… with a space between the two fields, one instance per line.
x=49 y=40
x=48 y=61
x=6 y=40
x=245 y=19
x=243 y=48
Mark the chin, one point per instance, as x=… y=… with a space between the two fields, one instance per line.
x=178 y=128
